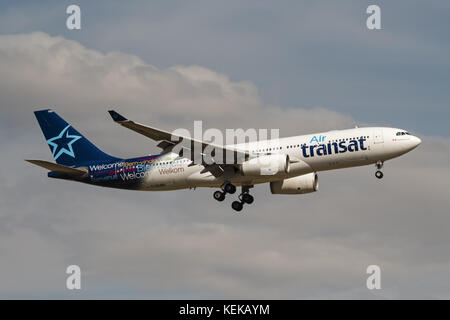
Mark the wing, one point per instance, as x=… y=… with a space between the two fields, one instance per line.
x=167 y=140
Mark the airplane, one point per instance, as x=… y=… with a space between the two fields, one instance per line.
x=290 y=165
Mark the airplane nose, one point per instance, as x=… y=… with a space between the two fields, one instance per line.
x=416 y=141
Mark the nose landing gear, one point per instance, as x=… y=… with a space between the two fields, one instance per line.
x=378 y=173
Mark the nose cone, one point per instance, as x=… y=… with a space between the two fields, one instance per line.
x=415 y=142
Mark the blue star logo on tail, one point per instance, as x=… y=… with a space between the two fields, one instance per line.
x=63 y=144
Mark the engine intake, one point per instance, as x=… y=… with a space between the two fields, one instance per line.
x=306 y=183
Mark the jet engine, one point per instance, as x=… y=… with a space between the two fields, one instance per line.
x=306 y=183
x=267 y=165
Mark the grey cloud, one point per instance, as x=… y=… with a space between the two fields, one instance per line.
x=183 y=244
x=299 y=53
x=64 y=75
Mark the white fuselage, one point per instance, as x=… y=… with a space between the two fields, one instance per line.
x=308 y=153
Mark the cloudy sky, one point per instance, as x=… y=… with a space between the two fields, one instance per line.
x=300 y=66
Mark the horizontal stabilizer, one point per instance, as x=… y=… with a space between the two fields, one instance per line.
x=76 y=172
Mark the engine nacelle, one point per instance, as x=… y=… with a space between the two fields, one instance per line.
x=297 y=185
x=266 y=165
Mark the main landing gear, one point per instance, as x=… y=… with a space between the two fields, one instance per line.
x=227 y=188
x=244 y=197
x=378 y=173
x=219 y=195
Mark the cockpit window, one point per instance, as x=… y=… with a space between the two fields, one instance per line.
x=402 y=133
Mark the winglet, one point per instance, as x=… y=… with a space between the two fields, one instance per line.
x=117 y=117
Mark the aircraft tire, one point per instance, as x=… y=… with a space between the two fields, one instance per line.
x=219 y=195
x=229 y=188
x=248 y=198
x=237 y=205
x=379 y=174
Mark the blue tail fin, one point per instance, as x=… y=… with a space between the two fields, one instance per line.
x=67 y=145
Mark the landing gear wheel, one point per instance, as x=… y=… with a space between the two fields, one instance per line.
x=229 y=188
x=237 y=205
x=379 y=174
x=247 y=198
x=379 y=164
x=219 y=195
